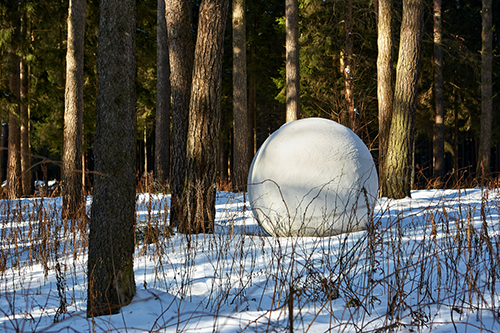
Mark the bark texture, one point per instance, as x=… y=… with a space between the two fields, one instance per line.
x=292 y=60
x=484 y=153
x=24 y=130
x=24 y=115
x=349 y=68
x=384 y=81
x=241 y=124
x=14 y=188
x=204 y=120
x=438 y=154
x=162 y=133
x=73 y=113
x=181 y=57
x=398 y=168
x=111 y=240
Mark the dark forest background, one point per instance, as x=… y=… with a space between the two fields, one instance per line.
x=322 y=40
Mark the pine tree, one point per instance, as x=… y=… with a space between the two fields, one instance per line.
x=398 y=164
x=483 y=159
x=348 y=70
x=14 y=175
x=241 y=124
x=204 y=120
x=438 y=154
x=384 y=80
x=292 y=60
x=162 y=133
x=111 y=240
x=181 y=66
x=73 y=113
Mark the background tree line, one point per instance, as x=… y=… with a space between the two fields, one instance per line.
x=35 y=34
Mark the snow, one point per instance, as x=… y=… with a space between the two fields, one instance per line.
x=429 y=263
x=312 y=177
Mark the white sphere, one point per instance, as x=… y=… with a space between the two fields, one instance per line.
x=312 y=177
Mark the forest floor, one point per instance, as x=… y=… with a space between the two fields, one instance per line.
x=429 y=263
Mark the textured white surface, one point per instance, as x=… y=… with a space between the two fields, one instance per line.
x=312 y=177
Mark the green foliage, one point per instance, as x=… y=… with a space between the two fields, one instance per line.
x=322 y=41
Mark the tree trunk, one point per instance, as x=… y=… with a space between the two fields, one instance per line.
x=483 y=159
x=438 y=158
x=181 y=67
x=73 y=113
x=111 y=240
x=204 y=120
x=384 y=81
x=14 y=188
x=2 y=138
x=292 y=60
x=397 y=178
x=24 y=116
x=348 y=69
x=252 y=97
x=241 y=125
x=24 y=131
x=162 y=133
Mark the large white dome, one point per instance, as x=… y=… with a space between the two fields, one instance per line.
x=312 y=177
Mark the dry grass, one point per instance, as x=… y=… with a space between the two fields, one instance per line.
x=411 y=270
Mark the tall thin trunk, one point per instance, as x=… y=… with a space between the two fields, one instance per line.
x=14 y=188
x=24 y=116
x=24 y=131
x=384 y=81
x=162 y=133
x=204 y=120
x=252 y=97
x=399 y=161
x=455 y=145
x=145 y=149
x=111 y=239
x=483 y=160
x=348 y=69
x=181 y=66
x=241 y=125
x=438 y=158
x=292 y=60
x=73 y=113
x=2 y=138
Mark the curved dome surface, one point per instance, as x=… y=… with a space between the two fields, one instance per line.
x=312 y=177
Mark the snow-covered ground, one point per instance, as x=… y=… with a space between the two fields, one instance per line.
x=430 y=263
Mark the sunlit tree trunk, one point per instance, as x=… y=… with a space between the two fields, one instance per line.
x=292 y=60
x=73 y=113
x=204 y=120
x=483 y=159
x=348 y=69
x=181 y=66
x=162 y=133
x=24 y=114
x=110 y=270
x=241 y=125
x=384 y=80
x=14 y=188
x=438 y=158
x=398 y=167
